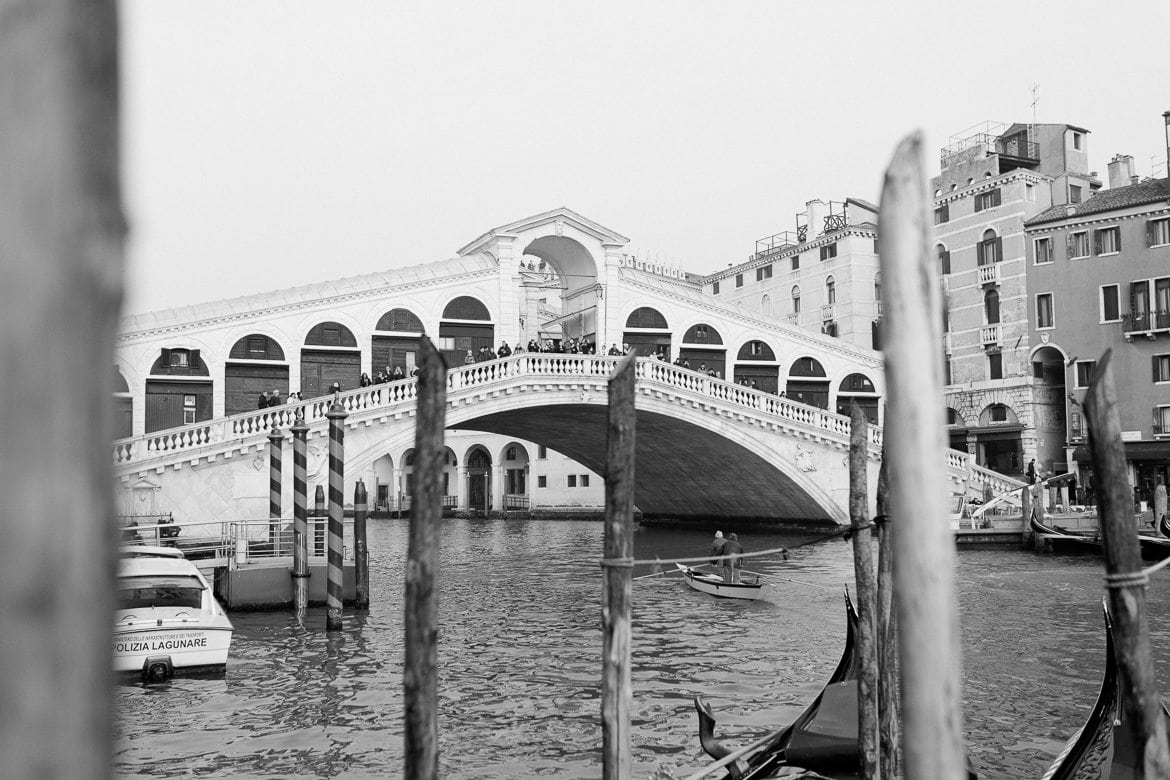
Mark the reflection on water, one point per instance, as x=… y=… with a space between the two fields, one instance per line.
x=520 y=661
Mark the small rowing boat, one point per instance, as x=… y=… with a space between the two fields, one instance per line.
x=1104 y=746
x=705 y=582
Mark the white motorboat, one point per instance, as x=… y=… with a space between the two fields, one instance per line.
x=704 y=582
x=167 y=618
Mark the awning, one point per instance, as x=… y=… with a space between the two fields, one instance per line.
x=1000 y=432
x=1147 y=450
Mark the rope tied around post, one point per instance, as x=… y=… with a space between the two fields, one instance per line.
x=1129 y=579
x=620 y=563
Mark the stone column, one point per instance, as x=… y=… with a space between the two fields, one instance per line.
x=462 y=489
x=497 y=494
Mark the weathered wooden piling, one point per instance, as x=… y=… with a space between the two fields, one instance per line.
x=1125 y=581
x=924 y=590
x=334 y=567
x=616 y=693
x=422 y=568
x=886 y=632
x=61 y=253
x=300 y=569
x=361 y=562
x=275 y=469
x=1026 y=512
x=864 y=575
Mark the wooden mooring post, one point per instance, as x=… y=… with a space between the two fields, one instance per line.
x=300 y=569
x=422 y=568
x=1124 y=579
x=888 y=719
x=864 y=575
x=361 y=559
x=335 y=567
x=924 y=590
x=61 y=234
x=616 y=693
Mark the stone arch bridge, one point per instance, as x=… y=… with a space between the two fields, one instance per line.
x=705 y=447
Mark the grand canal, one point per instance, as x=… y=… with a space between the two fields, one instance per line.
x=520 y=661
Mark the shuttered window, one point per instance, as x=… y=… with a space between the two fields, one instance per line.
x=1078 y=244
x=1110 y=303
x=1158 y=232
x=1161 y=368
x=1107 y=241
x=1044 y=315
x=987 y=200
x=942 y=214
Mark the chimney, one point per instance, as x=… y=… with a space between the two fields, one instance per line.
x=1166 y=116
x=1120 y=171
x=815 y=209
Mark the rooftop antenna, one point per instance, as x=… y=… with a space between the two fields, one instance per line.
x=1035 y=100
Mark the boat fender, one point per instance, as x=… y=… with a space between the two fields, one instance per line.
x=157 y=668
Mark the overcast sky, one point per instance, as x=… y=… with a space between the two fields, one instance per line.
x=279 y=142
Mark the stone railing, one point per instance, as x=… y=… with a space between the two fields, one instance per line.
x=206 y=438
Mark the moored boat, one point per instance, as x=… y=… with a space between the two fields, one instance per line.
x=1062 y=540
x=705 y=582
x=167 y=618
x=1104 y=747
x=824 y=737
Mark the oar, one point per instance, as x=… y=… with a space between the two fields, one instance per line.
x=657 y=573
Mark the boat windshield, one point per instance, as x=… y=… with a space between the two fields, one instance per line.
x=159 y=591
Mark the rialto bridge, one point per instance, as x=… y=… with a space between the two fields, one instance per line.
x=187 y=382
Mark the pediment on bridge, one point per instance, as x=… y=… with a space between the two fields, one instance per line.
x=556 y=221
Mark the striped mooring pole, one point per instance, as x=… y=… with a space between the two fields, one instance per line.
x=300 y=570
x=333 y=593
x=319 y=513
x=361 y=564
x=275 y=466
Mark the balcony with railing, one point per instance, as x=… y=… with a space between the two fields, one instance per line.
x=989 y=274
x=1147 y=323
x=991 y=335
x=774 y=244
x=793 y=318
x=828 y=312
x=1162 y=428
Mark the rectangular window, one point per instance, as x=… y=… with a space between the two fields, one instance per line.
x=1078 y=244
x=1162 y=368
x=1030 y=193
x=542 y=481
x=1107 y=241
x=763 y=272
x=572 y=480
x=989 y=251
x=1085 y=371
x=1161 y=420
x=739 y=280
x=1074 y=194
x=541 y=452
x=942 y=214
x=584 y=480
x=1077 y=139
x=188 y=409
x=756 y=347
x=944 y=262
x=180 y=358
x=257 y=346
x=1158 y=232
x=987 y=200
x=998 y=413
x=1044 y=317
x=796 y=262
x=829 y=251
x=714 y=288
x=995 y=365
x=447 y=342
x=1043 y=253
x=1110 y=303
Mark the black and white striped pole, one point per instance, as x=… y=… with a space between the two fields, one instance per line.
x=300 y=570
x=336 y=416
x=275 y=466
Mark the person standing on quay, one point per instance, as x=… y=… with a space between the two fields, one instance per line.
x=1159 y=504
x=732 y=549
x=1031 y=473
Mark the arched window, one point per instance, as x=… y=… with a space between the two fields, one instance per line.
x=991 y=306
x=766 y=306
x=702 y=334
x=796 y=299
x=646 y=317
x=756 y=350
x=857 y=383
x=807 y=367
x=330 y=334
x=990 y=249
x=466 y=308
x=256 y=346
x=400 y=320
x=877 y=286
x=830 y=291
x=944 y=260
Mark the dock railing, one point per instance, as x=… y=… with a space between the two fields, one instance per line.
x=237 y=543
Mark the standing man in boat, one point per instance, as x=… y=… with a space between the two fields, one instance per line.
x=732 y=549
x=716 y=551
x=1159 y=504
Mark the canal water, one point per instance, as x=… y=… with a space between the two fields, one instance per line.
x=520 y=661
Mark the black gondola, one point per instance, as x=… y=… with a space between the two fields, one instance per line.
x=1164 y=525
x=1063 y=540
x=823 y=738
x=1104 y=747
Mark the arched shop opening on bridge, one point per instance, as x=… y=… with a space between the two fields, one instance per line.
x=808 y=383
x=647 y=333
x=997 y=439
x=702 y=345
x=178 y=390
x=255 y=365
x=330 y=356
x=756 y=366
x=395 y=342
x=466 y=325
x=857 y=388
